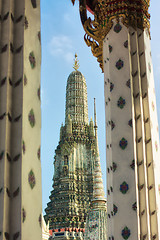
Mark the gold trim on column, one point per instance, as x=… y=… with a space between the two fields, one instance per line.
x=131 y=13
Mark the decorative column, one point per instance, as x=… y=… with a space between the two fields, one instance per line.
x=20 y=120
x=119 y=37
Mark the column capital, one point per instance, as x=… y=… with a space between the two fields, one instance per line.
x=129 y=12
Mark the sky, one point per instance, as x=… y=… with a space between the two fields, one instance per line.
x=62 y=37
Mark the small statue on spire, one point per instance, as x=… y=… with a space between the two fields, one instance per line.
x=76 y=63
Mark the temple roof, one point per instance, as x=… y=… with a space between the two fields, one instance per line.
x=76 y=98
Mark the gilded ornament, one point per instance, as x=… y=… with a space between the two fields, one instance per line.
x=130 y=13
x=76 y=63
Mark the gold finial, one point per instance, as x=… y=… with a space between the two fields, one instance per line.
x=76 y=63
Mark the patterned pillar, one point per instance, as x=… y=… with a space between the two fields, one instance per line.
x=20 y=167
x=119 y=36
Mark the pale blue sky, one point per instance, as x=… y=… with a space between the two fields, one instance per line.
x=62 y=36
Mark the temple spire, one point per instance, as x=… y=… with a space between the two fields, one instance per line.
x=76 y=96
x=95 y=116
x=98 y=190
x=97 y=213
x=74 y=163
x=95 y=128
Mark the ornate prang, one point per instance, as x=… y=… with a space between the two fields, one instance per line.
x=73 y=184
x=131 y=13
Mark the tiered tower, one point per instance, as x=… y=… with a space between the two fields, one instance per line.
x=73 y=165
x=20 y=120
x=119 y=36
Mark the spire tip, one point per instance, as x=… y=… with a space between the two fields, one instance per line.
x=95 y=116
x=76 y=63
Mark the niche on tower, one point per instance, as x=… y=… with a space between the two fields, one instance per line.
x=65 y=167
x=66 y=160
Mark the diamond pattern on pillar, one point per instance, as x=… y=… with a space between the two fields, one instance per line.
x=134 y=206
x=126 y=44
x=114 y=166
x=111 y=86
x=121 y=102
x=128 y=83
x=117 y=28
x=39 y=93
x=39 y=153
x=34 y=3
x=126 y=233
x=31 y=179
x=25 y=80
x=23 y=215
x=130 y=122
x=23 y=147
x=115 y=209
x=132 y=164
x=110 y=48
x=149 y=67
x=112 y=125
x=31 y=118
x=32 y=60
x=40 y=220
x=156 y=145
x=25 y=23
x=123 y=143
x=124 y=187
x=119 y=64
x=39 y=36
x=1 y=155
